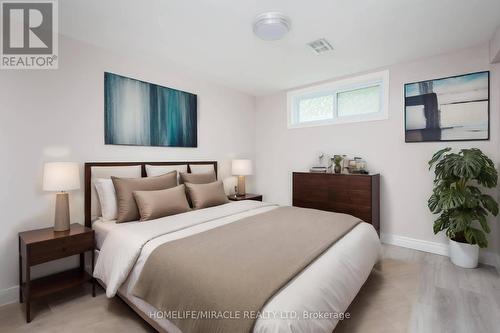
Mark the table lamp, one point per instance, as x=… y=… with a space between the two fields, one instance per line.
x=241 y=168
x=61 y=177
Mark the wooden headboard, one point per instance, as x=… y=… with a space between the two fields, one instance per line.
x=88 y=180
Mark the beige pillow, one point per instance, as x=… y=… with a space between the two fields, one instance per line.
x=124 y=187
x=155 y=204
x=198 y=178
x=206 y=195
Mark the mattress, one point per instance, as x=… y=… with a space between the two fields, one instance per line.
x=336 y=276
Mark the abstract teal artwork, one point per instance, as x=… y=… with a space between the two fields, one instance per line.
x=144 y=114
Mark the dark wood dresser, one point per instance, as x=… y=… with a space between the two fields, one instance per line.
x=357 y=195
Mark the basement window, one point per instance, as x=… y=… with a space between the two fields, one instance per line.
x=357 y=99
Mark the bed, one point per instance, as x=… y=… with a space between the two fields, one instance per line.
x=312 y=301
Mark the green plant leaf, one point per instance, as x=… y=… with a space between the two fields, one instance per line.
x=467 y=164
x=437 y=156
x=474 y=190
x=442 y=223
x=484 y=224
x=462 y=218
x=476 y=236
x=489 y=204
x=488 y=176
x=433 y=204
x=451 y=198
x=471 y=197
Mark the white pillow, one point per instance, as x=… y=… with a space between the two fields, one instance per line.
x=131 y=171
x=202 y=168
x=158 y=170
x=107 y=198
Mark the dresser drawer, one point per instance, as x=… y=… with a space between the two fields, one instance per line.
x=310 y=188
x=60 y=247
x=360 y=198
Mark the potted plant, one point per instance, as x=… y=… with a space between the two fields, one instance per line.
x=460 y=203
x=337 y=159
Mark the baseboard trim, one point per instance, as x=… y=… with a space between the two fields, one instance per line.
x=485 y=257
x=415 y=244
x=9 y=295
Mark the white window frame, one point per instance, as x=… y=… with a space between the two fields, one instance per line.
x=333 y=88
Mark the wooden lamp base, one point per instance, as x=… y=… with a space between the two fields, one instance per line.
x=61 y=219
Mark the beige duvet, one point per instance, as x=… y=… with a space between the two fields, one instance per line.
x=236 y=268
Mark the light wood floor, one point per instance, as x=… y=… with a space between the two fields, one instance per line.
x=408 y=291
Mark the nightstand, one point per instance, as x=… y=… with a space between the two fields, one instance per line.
x=44 y=245
x=247 y=196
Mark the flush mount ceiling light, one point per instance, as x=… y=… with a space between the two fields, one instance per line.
x=271 y=26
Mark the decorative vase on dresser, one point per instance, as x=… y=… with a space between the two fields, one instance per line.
x=357 y=195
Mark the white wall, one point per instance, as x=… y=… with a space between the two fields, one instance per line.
x=495 y=46
x=58 y=115
x=406 y=182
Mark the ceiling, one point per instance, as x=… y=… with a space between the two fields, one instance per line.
x=214 y=38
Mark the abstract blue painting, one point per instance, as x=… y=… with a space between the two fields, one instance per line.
x=145 y=114
x=449 y=109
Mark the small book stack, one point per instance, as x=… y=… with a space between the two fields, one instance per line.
x=318 y=169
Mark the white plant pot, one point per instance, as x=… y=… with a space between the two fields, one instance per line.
x=463 y=254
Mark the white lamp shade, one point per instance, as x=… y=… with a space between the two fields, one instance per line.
x=242 y=167
x=61 y=176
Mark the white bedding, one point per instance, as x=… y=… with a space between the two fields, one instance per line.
x=327 y=286
x=102 y=228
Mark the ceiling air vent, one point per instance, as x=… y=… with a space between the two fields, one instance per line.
x=320 y=46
